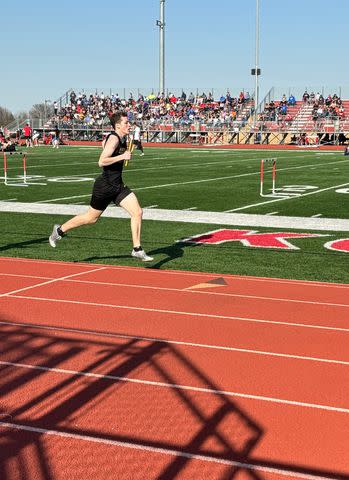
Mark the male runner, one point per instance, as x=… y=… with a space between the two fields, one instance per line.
x=109 y=187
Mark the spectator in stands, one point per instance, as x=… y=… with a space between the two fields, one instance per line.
x=291 y=100
x=346 y=151
x=305 y=97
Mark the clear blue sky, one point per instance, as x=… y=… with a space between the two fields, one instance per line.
x=48 y=47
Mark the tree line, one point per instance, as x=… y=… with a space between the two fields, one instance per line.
x=38 y=111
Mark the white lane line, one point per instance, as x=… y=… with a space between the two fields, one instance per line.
x=317 y=215
x=179 y=312
x=48 y=282
x=25 y=276
x=185 y=290
x=164 y=451
x=151 y=206
x=190 y=208
x=78 y=331
x=205 y=292
x=272 y=213
x=173 y=386
x=308 y=283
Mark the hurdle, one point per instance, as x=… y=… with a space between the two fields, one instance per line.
x=273 y=174
x=24 y=164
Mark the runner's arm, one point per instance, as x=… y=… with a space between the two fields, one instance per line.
x=108 y=150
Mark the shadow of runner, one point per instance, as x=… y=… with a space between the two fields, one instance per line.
x=172 y=252
x=24 y=244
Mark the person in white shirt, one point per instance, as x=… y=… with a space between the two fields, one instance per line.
x=137 y=135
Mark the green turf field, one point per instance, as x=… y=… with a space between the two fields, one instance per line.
x=316 y=183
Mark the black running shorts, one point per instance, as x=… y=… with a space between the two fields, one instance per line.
x=103 y=194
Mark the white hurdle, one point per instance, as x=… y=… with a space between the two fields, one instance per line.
x=24 y=166
x=262 y=174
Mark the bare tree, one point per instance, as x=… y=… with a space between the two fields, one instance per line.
x=6 y=116
x=41 y=110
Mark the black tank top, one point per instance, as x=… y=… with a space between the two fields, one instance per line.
x=113 y=173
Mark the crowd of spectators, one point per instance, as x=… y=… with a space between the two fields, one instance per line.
x=92 y=110
x=278 y=111
x=7 y=143
x=330 y=107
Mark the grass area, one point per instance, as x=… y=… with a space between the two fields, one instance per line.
x=25 y=235
x=212 y=180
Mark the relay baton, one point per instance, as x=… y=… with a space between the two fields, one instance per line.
x=130 y=149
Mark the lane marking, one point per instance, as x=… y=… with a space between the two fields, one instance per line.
x=184 y=290
x=308 y=283
x=176 y=312
x=47 y=282
x=164 y=451
x=174 y=386
x=94 y=333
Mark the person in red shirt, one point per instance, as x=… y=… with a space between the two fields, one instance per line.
x=28 y=135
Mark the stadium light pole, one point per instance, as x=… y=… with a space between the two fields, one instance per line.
x=161 y=24
x=256 y=71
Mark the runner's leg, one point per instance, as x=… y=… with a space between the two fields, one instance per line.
x=132 y=207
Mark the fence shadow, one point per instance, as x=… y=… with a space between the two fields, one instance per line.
x=41 y=389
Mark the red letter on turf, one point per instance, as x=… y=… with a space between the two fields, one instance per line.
x=250 y=238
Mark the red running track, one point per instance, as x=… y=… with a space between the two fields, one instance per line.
x=130 y=373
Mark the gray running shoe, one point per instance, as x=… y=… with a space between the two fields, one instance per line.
x=141 y=255
x=54 y=237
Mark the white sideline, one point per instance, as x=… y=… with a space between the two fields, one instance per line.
x=188 y=216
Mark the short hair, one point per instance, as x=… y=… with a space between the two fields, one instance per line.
x=116 y=117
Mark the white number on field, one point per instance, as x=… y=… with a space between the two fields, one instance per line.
x=70 y=179
x=342 y=190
